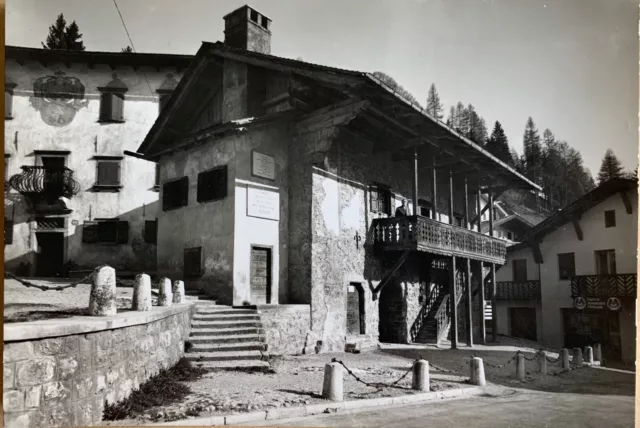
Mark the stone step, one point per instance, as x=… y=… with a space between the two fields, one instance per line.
x=205 y=331
x=225 y=317
x=225 y=324
x=223 y=347
x=231 y=364
x=232 y=338
x=223 y=356
x=223 y=310
x=200 y=298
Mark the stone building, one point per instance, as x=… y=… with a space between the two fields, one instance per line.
x=279 y=185
x=73 y=200
x=572 y=281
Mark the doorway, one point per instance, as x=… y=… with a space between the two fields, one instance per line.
x=523 y=323
x=50 y=256
x=588 y=327
x=260 y=275
x=391 y=309
x=355 y=309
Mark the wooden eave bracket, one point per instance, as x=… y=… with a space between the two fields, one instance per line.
x=391 y=272
x=537 y=254
x=626 y=201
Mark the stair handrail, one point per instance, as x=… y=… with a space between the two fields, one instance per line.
x=442 y=318
x=424 y=312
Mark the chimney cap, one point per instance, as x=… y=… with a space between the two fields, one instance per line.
x=246 y=6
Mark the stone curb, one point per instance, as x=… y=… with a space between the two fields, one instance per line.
x=330 y=407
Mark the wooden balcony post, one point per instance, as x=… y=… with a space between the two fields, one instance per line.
x=434 y=196
x=490 y=213
x=469 y=304
x=453 y=307
x=483 y=326
x=479 y=210
x=415 y=181
x=466 y=204
x=450 y=195
x=494 y=309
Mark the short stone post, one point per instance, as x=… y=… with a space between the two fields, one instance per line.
x=332 y=388
x=588 y=355
x=141 y=293
x=577 y=357
x=565 y=359
x=165 y=297
x=102 y=300
x=421 y=375
x=178 y=292
x=477 y=372
x=542 y=362
x=520 y=366
x=597 y=351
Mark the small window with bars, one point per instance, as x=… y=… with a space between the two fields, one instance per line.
x=105 y=231
x=380 y=200
x=212 y=184
x=175 y=194
x=192 y=262
x=151 y=231
x=108 y=175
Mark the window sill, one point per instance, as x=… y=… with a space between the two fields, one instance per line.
x=106 y=188
x=156 y=188
x=211 y=200
x=110 y=121
x=8 y=118
x=173 y=208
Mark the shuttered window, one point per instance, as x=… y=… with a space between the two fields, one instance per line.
x=151 y=231
x=175 y=194
x=380 y=200
x=212 y=184
x=105 y=231
x=192 y=262
x=108 y=173
x=8 y=232
x=112 y=107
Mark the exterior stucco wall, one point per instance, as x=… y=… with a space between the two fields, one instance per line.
x=86 y=138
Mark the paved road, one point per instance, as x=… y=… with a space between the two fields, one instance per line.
x=498 y=408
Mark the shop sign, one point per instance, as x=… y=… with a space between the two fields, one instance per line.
x=612 y=303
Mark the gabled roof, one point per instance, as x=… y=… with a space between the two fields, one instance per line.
x=505 y=220
x=576 y=209
x=447 y=140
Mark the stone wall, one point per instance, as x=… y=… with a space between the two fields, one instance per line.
x=286 y=328
x=65 y=380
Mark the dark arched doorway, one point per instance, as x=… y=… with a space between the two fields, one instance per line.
x=391 y=326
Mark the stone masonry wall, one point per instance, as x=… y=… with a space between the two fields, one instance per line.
x=65 y=381
x=286 y=328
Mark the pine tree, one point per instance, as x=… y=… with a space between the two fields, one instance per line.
x=451 y=122
x=434 y=106
x=63 y=36
x=461 y=121
x=395 y=86
x=610 y=167
x=127 y=50
x=532 y=157
x=498 y=144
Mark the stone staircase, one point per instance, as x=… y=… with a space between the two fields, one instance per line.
x=225 y=337
x=429 y=331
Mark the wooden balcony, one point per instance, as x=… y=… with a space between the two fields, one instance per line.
x=424 y=234
x=619 y=285
x=511 y=290
x=45 y=183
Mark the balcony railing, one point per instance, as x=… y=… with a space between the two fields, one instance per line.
x=511 y=290
x=424 y=234
x=45 y=182
x=619 y=285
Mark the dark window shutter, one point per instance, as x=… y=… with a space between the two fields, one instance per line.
x=8 y=105
x=108 y=173
x=192 y=262
x=212 y=184
x=8 y=232
x=151 y=231
x=117 y=107
x=166 y=196
x=105 y=106
x=123 y=232
x=90 y=232
x=184 y=192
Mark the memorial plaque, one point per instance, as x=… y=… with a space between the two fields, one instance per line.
x=263 y=203
x=263 y=166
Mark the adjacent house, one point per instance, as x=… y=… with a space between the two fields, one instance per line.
x=279 y=184
x=572 y=280
x=73 y=199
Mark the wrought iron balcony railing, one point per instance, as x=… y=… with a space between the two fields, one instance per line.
x=424 y=234
x=619 y=285
x=45 y=182
x=512 y=290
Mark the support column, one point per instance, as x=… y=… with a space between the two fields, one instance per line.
x=450 y=195
x=434 y=196
x=415 y=181
x=453 y=312
x=479 y=209
x=469 y=305
x=483 y=324
x=494 y=309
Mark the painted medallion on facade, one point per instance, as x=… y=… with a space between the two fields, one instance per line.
x=58 y=98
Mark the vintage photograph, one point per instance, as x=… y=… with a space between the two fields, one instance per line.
x=356 y=213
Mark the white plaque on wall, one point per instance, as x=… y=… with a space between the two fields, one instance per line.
x=263 y=166
x=263 y=203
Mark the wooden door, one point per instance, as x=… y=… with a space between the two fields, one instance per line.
x=260 y=275
x=523 y=323
x=355 y=309
x=50 y=257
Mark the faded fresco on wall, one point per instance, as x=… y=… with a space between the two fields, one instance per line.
x=58 y=98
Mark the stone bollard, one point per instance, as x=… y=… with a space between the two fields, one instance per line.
x=477 y=372
x=577 y=357
x=542 y=362
x=141 y=293
x=165 y=297
x=565 y=359
x=178 y=292
x=597 y=351
x=102 y=301
x=520 y=366
x=332 y=388
x=588 y=355
x=421 y=375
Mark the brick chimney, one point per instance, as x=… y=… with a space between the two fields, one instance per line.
x=246 y=28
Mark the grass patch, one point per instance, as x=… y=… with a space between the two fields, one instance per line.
x=162 y=389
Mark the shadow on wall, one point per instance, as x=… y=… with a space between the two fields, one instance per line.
x=61 y=252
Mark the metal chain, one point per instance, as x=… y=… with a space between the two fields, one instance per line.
x=50 y=288
x=372 y=384
x=498 y=366
x=552 y=360
x=443 y=370
x=525 y=356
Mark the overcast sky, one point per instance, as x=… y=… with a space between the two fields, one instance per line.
x=570 y=64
